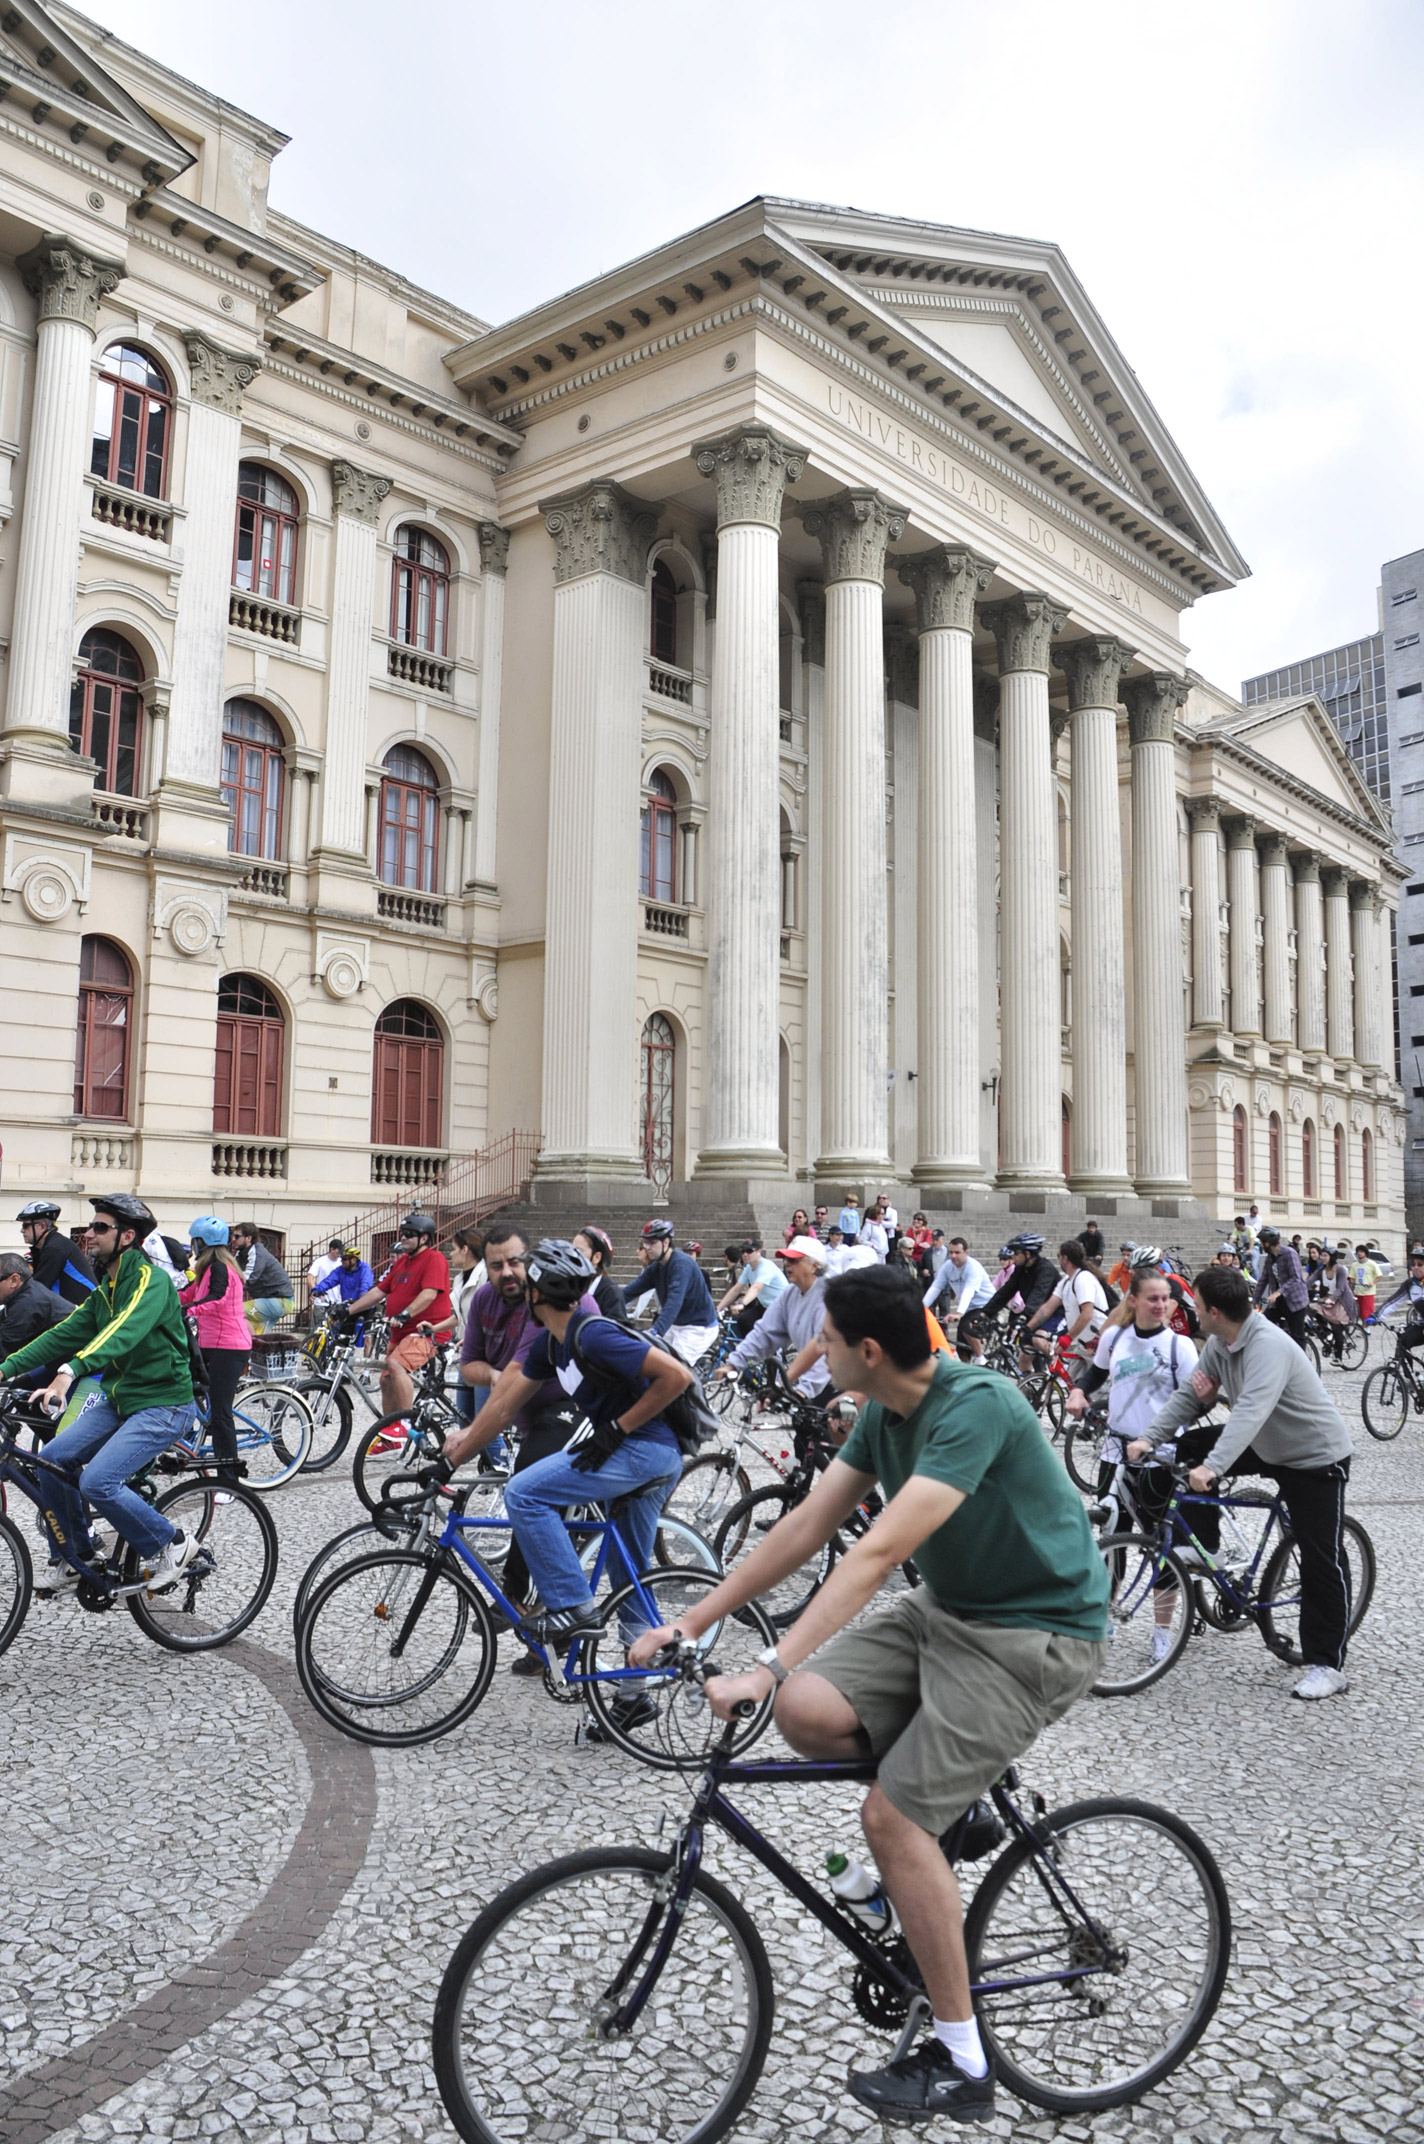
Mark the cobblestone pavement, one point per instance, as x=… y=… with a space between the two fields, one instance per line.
x=178 y=1831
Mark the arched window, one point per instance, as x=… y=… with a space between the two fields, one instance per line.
x=252 y=778
x=105 y=710
x=101 y=1050
x=407 y=1077
x=132 y=420
x=656 y=1100
x=408 y=821
x=1367 y=1168
x=1239 y=1180
x=1342 y=1170
x=658 y=868
x=1307 y=1159
x=1277 y=1157
x=788 y=876
x=247 y=1092
x=1067 y=1138
x=265 y=554
x=663 y=637
x=420 y=591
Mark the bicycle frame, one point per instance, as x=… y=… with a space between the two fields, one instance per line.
x=14 y=1475
x=1175 y=1531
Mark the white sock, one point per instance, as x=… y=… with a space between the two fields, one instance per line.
x=962 y=2040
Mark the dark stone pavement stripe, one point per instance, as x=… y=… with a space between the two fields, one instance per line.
x=327 y=1855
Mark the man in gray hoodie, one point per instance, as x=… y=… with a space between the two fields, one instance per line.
x=1283 y=1424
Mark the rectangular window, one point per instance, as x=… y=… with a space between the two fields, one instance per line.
x=1416 y=938
x=1411 y=789
x=1412 y=841
x=1417 y=887
x=1406 y=595
x=1416 y=990
x=1414 y=737
x=1405 y=692
x=1406 y=640
x=1416 y=1042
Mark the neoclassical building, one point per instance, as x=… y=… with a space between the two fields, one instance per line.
x=731 y=728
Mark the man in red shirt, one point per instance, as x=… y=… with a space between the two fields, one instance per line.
x=415 y=1291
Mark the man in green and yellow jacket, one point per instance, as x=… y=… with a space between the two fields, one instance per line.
x=131 y=1332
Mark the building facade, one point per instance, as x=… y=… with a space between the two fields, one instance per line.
x=733 y=722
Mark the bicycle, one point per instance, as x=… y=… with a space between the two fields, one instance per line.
x=382 y=1634
x=1098 y=1942
x=273 y=1426
x=410 y=1437
x=1391 y=1393
x=1354 y=1340
x=712 y=1481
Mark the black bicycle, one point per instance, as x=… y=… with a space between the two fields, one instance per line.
x=1392 y=1393
x=1098 y=1943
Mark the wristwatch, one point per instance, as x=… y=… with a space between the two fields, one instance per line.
x=771 y=1661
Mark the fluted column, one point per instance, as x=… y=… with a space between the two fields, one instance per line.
x=1030 y=1042
x=811 y=605
x=1310 y=950
x=1159 y=1035
x=1093 y=668
x=1339 y=991
x=1241 y=893
x=751 y=468
x=1363 y=910
x=853 y=528
x=494 y=561
x=946 y=582
x=357 y=496
x=1275 y=910
x=590 y=1061
x=69 y=283
x=1207 y=1005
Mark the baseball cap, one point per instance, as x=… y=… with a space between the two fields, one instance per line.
x=805 y=1247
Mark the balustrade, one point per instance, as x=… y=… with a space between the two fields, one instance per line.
x=405 y=1168
x=101 y=1150
x=129 y=510
x=247 y=1160
x=255 y=614
x=429 y=672
x=395 y=907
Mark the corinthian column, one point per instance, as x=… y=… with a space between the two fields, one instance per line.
x=1207 y=1009
x=358 y=495
x=69 y=283
x=811 y=604
x=1275 y=908
x=752 y=469
x=1159 y=1034
x=854 y=528
x=1031 y=1147
x=1339 y=995
x=1241 y=869
x=601 y=538
x=1364 y=905
x=1310 y=950
x=1093 y=668
x=946 y=582
x=494 y=560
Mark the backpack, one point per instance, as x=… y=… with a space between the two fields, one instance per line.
x=689 y=1417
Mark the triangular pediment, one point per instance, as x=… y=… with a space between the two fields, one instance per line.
x=1298 y=737
x=39 y=53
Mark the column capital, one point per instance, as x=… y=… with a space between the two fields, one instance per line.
x=947 y=582
x=1274 y=848
x=1093 y=667
x=1364 y=893
x=752 y=468
x=986 y=705
x=902 y=664
x=853 y=528
x=217 y=377
x=1334 y=880
x=358 y=492
x=494 y=548
x=1152 y=704
x=811 y=603
x=1204 y=812
x=1240 y=832
x=600 y=528
x=69 y=281
x=1305 y=863
x=1024 y=626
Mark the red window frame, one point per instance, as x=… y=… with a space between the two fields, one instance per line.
x=133 y=422
x=1276 y=1143
x=1307 y=1159
x=253 y=780
x=106 y=710
x=1342 y=1174
x=1238 y=1149
x=1367 y=1168
x=420 y=591
x=662 y=625
x=103 y=1029
x=407 y=1077
x=251 y=1054
x=408 y=822
x=264 y=551
x=657 y=871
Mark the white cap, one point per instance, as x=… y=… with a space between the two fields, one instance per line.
x=805 y=1247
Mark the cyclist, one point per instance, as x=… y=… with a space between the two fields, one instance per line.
x=26 y=1308
x=1410 y=1291
x=132 y=1331
x=1150 y=1258
x=1281 y=1286
x=214 y=1297
x=1337 y=1304
x=949 y=1683
x=793 y=1319
x=597 y=1248
x=687 y=1316
x=755 y=1289
x=1033 y=1280
x=415 y=1292
x=57 y=1260
x=348 y=1278
x=1078 y=1304
x=270 y=1294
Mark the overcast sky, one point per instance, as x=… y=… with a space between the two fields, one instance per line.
x=1238 y=186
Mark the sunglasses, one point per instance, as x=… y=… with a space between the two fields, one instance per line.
x=102 y=1228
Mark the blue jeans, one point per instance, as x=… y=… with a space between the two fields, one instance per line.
x=103 y=1452
x=537 y=1499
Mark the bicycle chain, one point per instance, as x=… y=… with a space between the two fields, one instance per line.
x=876 y=2001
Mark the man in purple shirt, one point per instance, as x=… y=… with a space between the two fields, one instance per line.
x=1282 y=1285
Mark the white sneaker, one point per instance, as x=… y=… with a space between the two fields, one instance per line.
x=1320 y=1682
x=56 y=1579
x=1189 y=1556
x=172 y=1563
x=1161 y=1644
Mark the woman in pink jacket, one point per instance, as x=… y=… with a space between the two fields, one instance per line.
x=214 y=1297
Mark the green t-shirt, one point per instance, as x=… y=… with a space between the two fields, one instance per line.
x=1019 y=1549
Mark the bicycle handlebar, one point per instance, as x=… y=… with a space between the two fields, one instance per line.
x=684 y=1656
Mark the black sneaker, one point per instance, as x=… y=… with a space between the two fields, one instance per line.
x=527 y=1664
x=923 y=2086
x=563 y=1627
x=626 y=1713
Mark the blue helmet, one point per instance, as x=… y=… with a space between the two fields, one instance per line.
x=208 y=1229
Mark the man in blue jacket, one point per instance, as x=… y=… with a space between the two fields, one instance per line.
x=351 y=1278
x=687 y=1316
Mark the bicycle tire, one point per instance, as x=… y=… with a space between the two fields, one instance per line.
x=1386 y=1401
x=1354 y=1346
x=382 y=1590
x=681 y=1736
x=709 y=1485
x=377 y=1455
x=514 y=2045
x=1279 y=1623
x=1083 y=1438
x=363 y=1539
x=1312 y=1350
x=1145 y=1572
x=331 y=1422
x=243 y=1555
x=752 y=1517
x=1212 y=1605
x=1156 y=1957
x=274 y=1432
x=17 y=1581
x=1055 y=1406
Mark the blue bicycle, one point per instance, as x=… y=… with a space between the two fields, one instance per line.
x=397 y=1647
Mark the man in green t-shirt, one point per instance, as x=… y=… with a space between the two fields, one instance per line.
x=949 y=1683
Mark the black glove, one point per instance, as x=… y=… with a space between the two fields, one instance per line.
x=604 y=1442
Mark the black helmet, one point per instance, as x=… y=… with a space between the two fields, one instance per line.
x=1026 y=1242
x=126 y=1211
x=38 y=1210
x=417 y=1224
x=1270 y=1235
x=557 y=1273
x=657 y=1232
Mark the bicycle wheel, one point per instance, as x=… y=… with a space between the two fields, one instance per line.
x=580 y=1931
x=274 y=1433
x=396 y=1648
x=364 y=1540
x=1130 y=1886
x=1354 y=1346
x=710 y=1485
x=1312 y=1349
x=748 y=1523
x=1244 y=1522
x=1149 y=1614
x=331 y=1422
x=1385 y=1401
x=1280 y=1590
x=394 y=1445
x=1055 y=1408
x=657 y=1717
x=17 y=1581
x=1083 y=1440
x=226 y=1585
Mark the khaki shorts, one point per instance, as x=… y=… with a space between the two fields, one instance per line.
x=949 y=1704
x=411 y=1353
